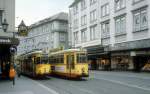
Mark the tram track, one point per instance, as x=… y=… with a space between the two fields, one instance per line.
x=66 y=88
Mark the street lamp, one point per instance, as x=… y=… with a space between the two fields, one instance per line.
x=5 y=25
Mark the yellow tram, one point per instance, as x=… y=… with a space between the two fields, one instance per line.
x=71 y=63
x=35 y=64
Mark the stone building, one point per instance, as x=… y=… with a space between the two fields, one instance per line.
x=46 y=34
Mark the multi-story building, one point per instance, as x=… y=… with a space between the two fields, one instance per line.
x=84 y=25
x=121 y=29
x=7 y=12
x=46 y=34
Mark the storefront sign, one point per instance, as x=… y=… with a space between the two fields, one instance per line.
x=14 y=41
x=5 y=41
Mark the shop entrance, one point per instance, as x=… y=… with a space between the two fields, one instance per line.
x=141 y=63
x=5 y=59
x=104 y=64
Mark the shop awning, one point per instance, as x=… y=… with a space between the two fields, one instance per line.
x=95 y=51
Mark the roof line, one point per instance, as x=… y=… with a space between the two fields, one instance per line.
x=74 y=3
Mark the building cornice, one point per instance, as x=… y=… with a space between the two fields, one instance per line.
x=74 y=3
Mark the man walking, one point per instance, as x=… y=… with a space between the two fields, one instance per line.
x=0 y=71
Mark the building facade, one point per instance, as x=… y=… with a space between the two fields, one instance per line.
x=120 y=36
x=46 y=34
x=7 y=40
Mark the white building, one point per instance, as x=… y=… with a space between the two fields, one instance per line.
x=118 y=31
x=46 y=34
x=84 y=23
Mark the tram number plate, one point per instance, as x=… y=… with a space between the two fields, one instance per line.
x=59 y=68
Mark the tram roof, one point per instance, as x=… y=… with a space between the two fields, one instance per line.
x=67 y=51
x=32 y=52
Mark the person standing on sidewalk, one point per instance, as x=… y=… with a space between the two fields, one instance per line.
x=0 y=71
x=12 y=74
x=18 y=70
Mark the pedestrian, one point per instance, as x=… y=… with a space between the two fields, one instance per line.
x=7 y=68
x=0 y=71
x=12 y=74
x=18 y=70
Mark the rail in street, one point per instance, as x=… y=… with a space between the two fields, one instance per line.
x=99 y=82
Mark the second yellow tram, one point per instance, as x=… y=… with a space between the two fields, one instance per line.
x=70 y=63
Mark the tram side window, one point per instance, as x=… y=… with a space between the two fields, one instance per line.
x=57 y=59
x=61 y=59
x=81 y=58
x=38 y=61
x=45 y=60
x=52 y=59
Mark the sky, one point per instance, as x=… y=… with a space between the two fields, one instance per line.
x=32 y=11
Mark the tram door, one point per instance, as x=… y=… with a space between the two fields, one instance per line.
x=70 y=63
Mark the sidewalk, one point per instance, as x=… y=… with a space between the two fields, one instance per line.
x=23 y=85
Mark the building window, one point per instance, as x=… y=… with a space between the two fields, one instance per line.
x=93 y=32
x=93 y=16
x=120 y=25
x=105 y=10
x=76 y=40
x=1 y=14
x=76 y=22
x=105 y=29
x=136 y=1
x=83 y=35
x=75 y=9
x=92 y=2
x=119 y=4
x=83 y=20
x=140 y=20
x=83 y=4
x=62 y=37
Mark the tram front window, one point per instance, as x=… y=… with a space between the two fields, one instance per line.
x=81 y=58
x=38 y=60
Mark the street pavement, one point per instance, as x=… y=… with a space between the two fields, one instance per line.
x=99 y=82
